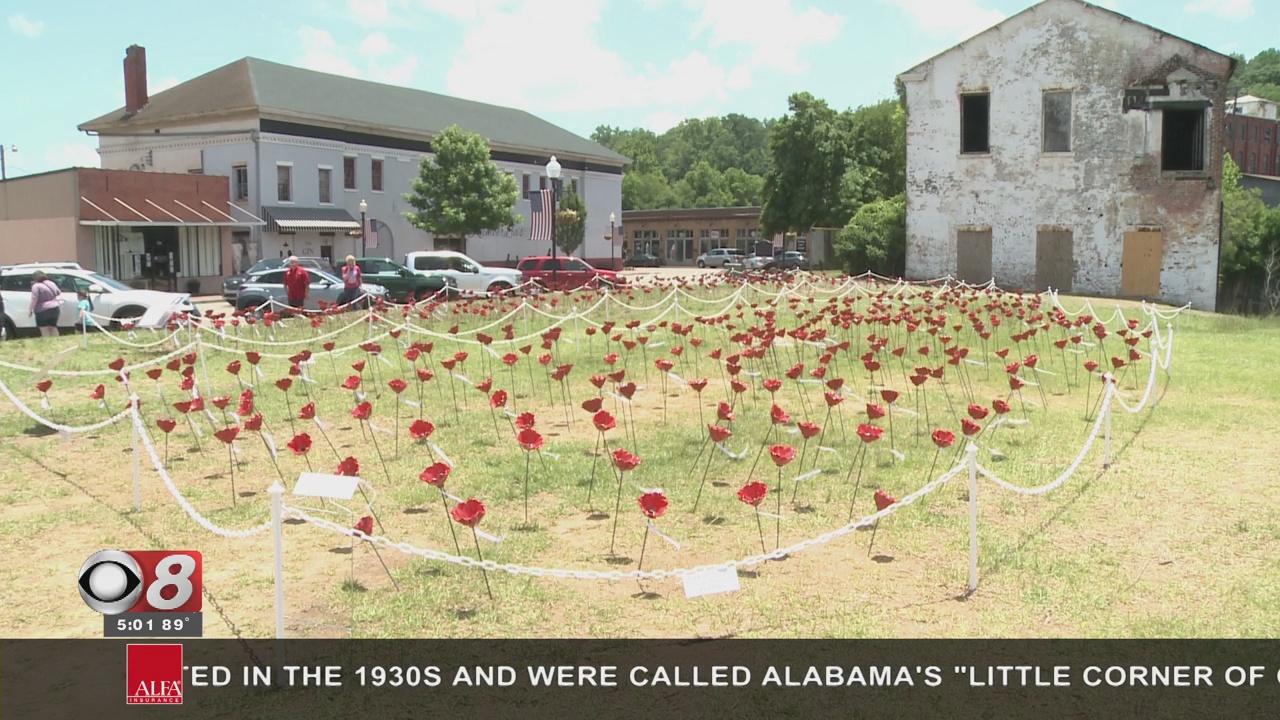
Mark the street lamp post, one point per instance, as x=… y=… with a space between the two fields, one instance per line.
x=553 y=172
x=364 y=209
x=613 y=240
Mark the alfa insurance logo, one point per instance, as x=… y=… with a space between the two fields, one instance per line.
x=153 y=674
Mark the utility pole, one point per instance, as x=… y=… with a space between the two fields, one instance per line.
x=4 y=175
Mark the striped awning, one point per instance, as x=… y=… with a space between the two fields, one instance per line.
x=302 y=219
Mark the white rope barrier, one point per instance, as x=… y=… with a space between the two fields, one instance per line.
x=69 y=429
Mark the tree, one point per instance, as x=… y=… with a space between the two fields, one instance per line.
x=460 y=191
x=743 y=187
x=809 y=147
x=647 y=191
x=1243 y=218
x=571 y=233
x=639 y=144
x=878 y=134
x=1260 y=75
x=875 y=238
x=703 y=186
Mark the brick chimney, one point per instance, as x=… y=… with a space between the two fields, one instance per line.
x=135 y=79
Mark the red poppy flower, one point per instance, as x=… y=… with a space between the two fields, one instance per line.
x=779 y=416
x=412 y=354
x=363 y=411
x=753 y=493
x=364 y=525
x=562 y=372
x=1117 y=363
x=883 y=500
x=254 y=357
x=510 y=359
x=724 y=412
x=425 y=375
x=182 y=406
x=397 y=385
x=624 y=460
x=44 y=385
x=228 y=434
x=254 y=423
x=833 y=398
x=664 y=364
x=529 y=439
x=174 y=364
x=603 y=421
x=435 y=475
x=197 y=404
x=874 y=412
x=233 y=367
x=869 y=433
x=627 y=390
x=944 y=438
x=653 y=504
x=1001 y=407
x=1030 y=361
x=460 y=356
x=358 y=366
x=835 y=384
x=468 y=513
x=351 y=383
x=525 y=421
x=889 y=396
x=284 y=384
x=166 y=425
x=349 y=467
x=328 y=347
x=593 y=405
x=421 y=429
x=977 y=412
x=698 y=385
x=117 y=364
x=1016 y=383
x=719 y=433
x=809 y=430
x=221 y=402
x=599 y=381
x=1090 y=365
x=1003 y=353
x=544 y=359
x=485 y=386
x=498 y=399
x=969 y=427
x=98 y=393
x=772 y=385
x=782 y=454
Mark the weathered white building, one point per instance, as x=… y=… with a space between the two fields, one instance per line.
x=1069 y=147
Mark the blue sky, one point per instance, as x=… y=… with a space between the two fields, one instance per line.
x=578 y=63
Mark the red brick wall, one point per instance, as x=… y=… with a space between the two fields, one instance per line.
x=104 y=187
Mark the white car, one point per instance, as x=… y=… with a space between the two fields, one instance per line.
x=111 y=298
x=471 y=277
x=717 y=257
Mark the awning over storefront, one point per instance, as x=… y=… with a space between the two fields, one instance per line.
x=303 y=219
x=162 y=211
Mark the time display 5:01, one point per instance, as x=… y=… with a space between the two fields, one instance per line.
x=137 y=625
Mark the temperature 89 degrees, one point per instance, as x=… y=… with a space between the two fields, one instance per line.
x=116 y=581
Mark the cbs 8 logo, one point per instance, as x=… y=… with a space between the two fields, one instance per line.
x=115 y=581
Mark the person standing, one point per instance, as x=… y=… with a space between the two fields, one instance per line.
x=297 y=284
x=84 y=312
x=352 y=279
x=46 y=304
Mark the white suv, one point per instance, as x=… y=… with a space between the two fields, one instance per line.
x=111 y=298
x=719 y=256
x=471 y=277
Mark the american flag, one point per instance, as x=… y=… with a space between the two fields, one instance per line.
x=541 y=205
x=371 y=233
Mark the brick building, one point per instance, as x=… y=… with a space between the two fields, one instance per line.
x=1252 y=135
x=152 y=230
x=679 y=236
x=1069 y=147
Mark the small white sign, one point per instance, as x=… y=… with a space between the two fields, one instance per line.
x=333 y=487
x=711 y=582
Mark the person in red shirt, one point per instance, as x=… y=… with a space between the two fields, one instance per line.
x=297 y=283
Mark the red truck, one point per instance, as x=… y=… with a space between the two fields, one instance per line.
x=566 y=272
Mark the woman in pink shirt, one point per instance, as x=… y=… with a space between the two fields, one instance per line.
x=46 y=304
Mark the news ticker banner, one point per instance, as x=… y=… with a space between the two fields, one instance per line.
x=624 y=678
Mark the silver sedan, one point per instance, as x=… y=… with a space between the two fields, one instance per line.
x=260 y=287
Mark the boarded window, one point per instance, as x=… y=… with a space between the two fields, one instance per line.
x=1182 y=145
x=975 y=123
x=1057 y=122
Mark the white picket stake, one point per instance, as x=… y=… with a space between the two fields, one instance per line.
x=1106 y=443
x=137 y=478
x=277 y=526
x=972 y=461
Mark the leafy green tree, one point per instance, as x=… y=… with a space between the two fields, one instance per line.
x=703 y=186
x=875 y=238
x=878 y=134
x=1244 y=220
x=459 y=191
x=570 y=234
x=809 y=147
x=1260 y=75
x=647 y=191
x=744 y=187
x=639 y=144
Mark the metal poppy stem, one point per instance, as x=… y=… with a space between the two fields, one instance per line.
x=374 y=435
x=527 y=459
x=384 y=566
x=325 y=435
x=449 y=519
x=483 y=572
x=874 y=528
x=617 y=508
x=643 y=545
x=760 y=529
x=710 y=456
x=231 y=463
x=777 y=539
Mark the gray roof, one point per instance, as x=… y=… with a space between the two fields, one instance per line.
x=251 y=84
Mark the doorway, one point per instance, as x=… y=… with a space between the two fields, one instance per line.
x=973 y=256
x=1141 y=262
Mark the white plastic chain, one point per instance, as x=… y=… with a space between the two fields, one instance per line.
x=204 y=522
x=108 y=371
x=73 y=430
x=408 y=549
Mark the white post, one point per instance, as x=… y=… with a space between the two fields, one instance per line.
x=525 y=305
x=84 y=332
x=608 y=295
x=972 y=462
x=137 y=481
x=1106 y=401
x=204 y=368
x=277 y=527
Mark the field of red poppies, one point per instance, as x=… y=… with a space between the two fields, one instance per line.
x=574 y=464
